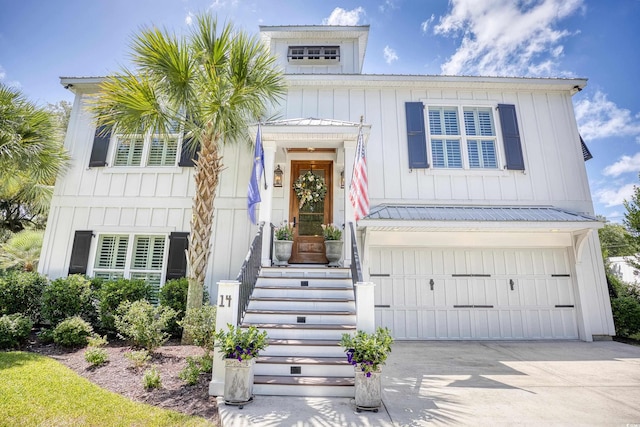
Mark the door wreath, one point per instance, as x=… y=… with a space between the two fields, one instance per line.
x=310 y=188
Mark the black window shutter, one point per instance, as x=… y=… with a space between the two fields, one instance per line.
x=511 y=136
x=416 y=137
x=177 y=262
x=100 y=148
x=187 y=154
x=80 y=252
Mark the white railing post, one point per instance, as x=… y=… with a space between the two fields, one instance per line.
x=365 y=308
x=226 y=312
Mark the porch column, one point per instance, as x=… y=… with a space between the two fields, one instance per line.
x=266 y=196
x=365 y=308
x=227 y=312
x=349 y=214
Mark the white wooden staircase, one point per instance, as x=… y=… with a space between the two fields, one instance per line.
x=305 y=311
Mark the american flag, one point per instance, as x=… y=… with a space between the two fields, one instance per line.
x=358 y=190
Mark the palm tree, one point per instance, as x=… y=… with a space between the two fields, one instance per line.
x=22 y=250
x=31 y=156
x=214 y=83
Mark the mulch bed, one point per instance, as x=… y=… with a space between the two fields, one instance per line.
x=118 y=376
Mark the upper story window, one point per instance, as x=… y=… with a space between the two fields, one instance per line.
x=314 y=53
x=147 y=149
x=470 y=146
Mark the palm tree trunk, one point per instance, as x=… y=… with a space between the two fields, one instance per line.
x=207 y=173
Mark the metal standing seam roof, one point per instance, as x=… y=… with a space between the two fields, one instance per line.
x=475 y=213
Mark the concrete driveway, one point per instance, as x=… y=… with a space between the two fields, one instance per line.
x=478 y=383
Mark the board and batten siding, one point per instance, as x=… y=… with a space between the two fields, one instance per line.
x=154 y=200
x=554 y=169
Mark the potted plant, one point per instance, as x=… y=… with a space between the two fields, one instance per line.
x=283 y=243
x=239 y=347
x=367 y=352
x=332 y=243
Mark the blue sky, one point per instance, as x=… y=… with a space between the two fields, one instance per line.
x=43 y=40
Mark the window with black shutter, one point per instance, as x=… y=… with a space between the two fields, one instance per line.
x=511 y=136
x=188 y=153
x=100 y=148
x=177 y=262
x=80 y=252
x=416 y=138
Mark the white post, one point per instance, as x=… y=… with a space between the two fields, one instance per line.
x=365 y=308
x=227 y=312
x=266 y=204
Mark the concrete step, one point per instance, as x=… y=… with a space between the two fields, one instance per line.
x=303 y=330
x=303 y=386
x=303 y=366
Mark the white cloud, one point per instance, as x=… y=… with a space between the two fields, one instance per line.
x=390 y=55
x=387 y=5
x=503 y=37
x=189 y=18
x=598 y=117
x=425 y=24
x=614 y=196
x=340 y=16
x=3 y=73
x=623 y=165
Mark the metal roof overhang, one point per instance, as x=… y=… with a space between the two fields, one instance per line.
x=312 y=132
x=476 y=218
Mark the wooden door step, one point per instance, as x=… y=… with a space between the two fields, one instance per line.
x=294 y=299
x=294 y=326
x=285 y=360
x=315 y=381
x=305 y=288
x=320 y=343
x=302 y=312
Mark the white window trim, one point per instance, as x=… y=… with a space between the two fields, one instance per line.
x=146 y=148
x=463 y=137
x=91 y=267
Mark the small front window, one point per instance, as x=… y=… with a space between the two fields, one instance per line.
x=147 y=149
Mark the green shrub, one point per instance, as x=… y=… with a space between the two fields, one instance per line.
x=45 y=336
x=97 y=341
x=138 y=358
x=68 y=297
x=72 y=332
x=14 y=330
x=191 y=373
x=96 y=356
x=626 y=315
x=200 y=325
x=143 y=324
x=113 y=293
x=21 y=292
x=151 y=379
x=173 y=294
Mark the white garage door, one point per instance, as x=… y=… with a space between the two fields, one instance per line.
x=474 y=293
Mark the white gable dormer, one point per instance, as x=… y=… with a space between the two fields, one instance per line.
x=318 y=49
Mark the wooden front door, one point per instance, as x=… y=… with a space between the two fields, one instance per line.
x=308 y=243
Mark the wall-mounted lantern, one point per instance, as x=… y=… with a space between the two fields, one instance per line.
x=342 y=179
x=277 y=177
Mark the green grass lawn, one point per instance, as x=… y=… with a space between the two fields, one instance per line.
x=36 y=390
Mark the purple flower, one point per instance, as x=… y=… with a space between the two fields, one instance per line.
x=368 y=374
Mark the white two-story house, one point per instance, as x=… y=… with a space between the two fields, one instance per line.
x=481 y=223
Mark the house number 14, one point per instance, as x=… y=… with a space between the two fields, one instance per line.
x=225 y=297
